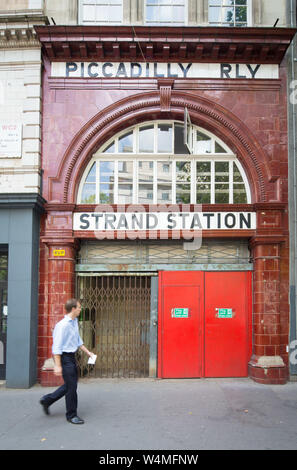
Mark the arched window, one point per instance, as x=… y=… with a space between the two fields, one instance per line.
x=150 y=164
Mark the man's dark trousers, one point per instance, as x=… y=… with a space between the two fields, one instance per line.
x=69 y=388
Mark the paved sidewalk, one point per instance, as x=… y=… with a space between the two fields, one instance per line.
x=193 y=414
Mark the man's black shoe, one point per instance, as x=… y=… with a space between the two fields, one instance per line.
x=75 y=420
x=45 y=406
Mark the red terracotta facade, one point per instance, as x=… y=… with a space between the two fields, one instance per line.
x=250 y=116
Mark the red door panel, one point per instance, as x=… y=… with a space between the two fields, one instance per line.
x=180 y=351
x=204 y=345
x=227 y=345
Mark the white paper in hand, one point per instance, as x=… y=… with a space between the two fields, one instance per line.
x=92 y=359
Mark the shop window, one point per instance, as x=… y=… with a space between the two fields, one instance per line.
x=3 y=265
x=145 y=164
x=229 y=12
x=162 y=12
x=100 y=12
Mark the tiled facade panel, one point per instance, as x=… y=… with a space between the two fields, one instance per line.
x=56 y=286
x=250 y=116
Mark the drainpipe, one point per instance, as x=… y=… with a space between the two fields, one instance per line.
x=292 y=156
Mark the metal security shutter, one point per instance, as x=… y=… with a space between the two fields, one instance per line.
x=115 y=324
x=117 y=255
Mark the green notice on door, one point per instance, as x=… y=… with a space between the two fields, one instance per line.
x=224 y=312
x=180 y=312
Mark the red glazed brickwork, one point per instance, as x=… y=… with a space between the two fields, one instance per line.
x=268 y=363
x=43 y=338
x=251 y=117
x=48 y=379
x=267 y=300
x=273 y=376
x=58 y=285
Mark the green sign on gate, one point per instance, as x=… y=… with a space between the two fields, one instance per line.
x=224 y=312
x=180 y=313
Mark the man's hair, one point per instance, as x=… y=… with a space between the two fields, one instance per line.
x=70 y=304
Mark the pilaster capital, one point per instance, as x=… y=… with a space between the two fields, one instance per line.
x=259 y=240
x=59 y=247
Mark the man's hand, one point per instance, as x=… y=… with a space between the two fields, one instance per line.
x=58 y=365
x=58 y=370
x=84 y=349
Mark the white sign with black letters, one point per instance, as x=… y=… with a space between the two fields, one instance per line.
x=137 y=221
x=10 y=139
x=163 y=70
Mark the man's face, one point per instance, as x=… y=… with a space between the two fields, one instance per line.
x=77 y=310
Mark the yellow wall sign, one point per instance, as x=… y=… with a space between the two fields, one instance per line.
x=59 y=252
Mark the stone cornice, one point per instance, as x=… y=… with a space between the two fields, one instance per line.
x=17 y=31
x=20 y=38
x=27 y=16
x=165 y=44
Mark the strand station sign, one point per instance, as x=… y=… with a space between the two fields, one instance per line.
x=146 y=221
x=122 y=70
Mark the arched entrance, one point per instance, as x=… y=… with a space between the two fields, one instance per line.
x=104 y=167
x=149 y=165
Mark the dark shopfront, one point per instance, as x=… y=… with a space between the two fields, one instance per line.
x=19 y=264
x=149 y=140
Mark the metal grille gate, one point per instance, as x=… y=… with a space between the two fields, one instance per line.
x=115 y=324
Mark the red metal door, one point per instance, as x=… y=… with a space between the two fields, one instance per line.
x=180 y=327
x=227 y=323
x=211 y=336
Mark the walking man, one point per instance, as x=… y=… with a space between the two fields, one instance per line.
x=66 y=340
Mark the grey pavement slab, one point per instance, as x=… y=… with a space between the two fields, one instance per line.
x=184 y=414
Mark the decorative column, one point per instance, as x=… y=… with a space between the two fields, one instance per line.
x=56 y=280
x=266 y=364
x=60 y=287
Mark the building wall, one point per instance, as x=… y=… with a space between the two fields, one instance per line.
x=20 y=180
x=66 y=112
x=250 y=117
x=20 y=99
x=292 y=132
x=264 y=12
x=21 y=103
x=20 y=5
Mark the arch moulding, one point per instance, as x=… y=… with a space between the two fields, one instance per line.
x=143 y=107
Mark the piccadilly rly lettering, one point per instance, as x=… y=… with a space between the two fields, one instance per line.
x=164 y=221
x=155 y=70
